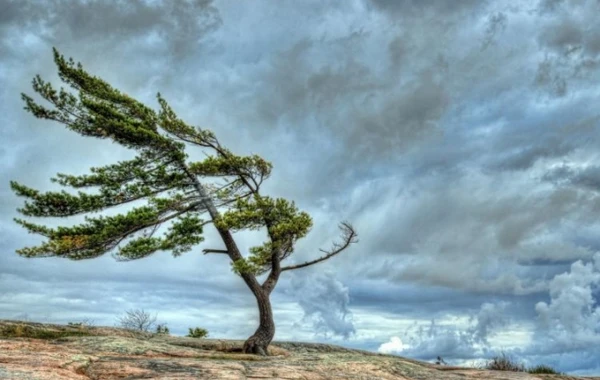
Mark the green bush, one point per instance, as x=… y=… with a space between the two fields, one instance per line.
x=542 y=368
x=85 y=322
x=162 y=329
x=197 y=332
x=504 y=363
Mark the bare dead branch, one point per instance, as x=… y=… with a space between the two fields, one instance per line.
x=349 y=236
x=205 y=251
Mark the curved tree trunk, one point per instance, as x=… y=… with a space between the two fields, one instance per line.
x=259 y=342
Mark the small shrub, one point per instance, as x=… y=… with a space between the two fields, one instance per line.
x=137 y=320
x=504 y=363
x=84 y=323
x=197 y=332
x=542 y=368
x=162 y=329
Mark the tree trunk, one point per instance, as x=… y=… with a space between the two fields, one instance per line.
x=259 y=342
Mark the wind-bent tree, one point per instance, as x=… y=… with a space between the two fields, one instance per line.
x=176 y=192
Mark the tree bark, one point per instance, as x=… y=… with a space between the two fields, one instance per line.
x=259 y=342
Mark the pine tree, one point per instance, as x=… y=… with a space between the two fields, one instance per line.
x=176 y=192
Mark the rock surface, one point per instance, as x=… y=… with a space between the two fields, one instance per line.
x=35 y=351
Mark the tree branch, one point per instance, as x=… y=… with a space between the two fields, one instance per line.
x=349 y=237
x=205 y=251
x=109 y=244
x=240 y=175
x=269 y=284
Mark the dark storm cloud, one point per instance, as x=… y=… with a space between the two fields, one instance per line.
x=437 y=7
x=414 y=231
x=496 y=24
x=570 y=41
x=414 y=301
x=587 y=178
x=182 y=24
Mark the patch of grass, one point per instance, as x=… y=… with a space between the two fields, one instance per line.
x=504 y=362
x=25 y=331
x=542 y=368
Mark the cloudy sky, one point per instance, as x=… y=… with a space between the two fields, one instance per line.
x=461 y=139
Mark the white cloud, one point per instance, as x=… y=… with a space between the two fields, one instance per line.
x=572 y=317
x=325 y=302
x=394 y=346
x=454 y=338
